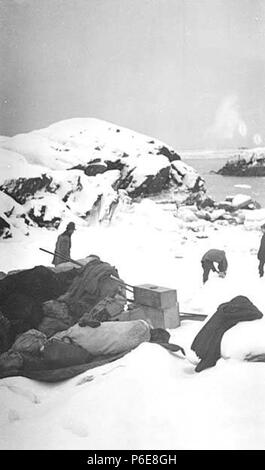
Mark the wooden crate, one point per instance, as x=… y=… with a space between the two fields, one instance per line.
x=157 y=317
x=155 y=296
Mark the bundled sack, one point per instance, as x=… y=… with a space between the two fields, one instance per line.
x=30 y=342
x=58 y=353
x=104 y=310
x=56 y=317
x=93 y=283
x=109 y=337
x=10 y=362
x=49 y=326
x=53 y=355
x=56 y=309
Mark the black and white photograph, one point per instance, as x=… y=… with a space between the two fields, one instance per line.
x=132 y=226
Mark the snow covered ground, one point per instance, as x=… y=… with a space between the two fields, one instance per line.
x=150 y=399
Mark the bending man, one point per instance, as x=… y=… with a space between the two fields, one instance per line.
x=208 y=260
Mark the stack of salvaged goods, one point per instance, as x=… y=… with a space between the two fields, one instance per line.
x=57 y=322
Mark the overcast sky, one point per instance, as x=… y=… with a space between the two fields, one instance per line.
x=190 y=72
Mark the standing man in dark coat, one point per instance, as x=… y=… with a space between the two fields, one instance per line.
x=63 y=244
x=261 y=252
x=208 y=260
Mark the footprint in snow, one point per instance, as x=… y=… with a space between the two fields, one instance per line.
x=23 y=392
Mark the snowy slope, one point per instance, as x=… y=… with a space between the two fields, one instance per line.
x=79 y=141
x=80 y=166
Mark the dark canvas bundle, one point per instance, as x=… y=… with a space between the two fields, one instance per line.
x=22 y=295
x=159 y=335
x=92 y=284
x=39 y=283
x=23 y=311
x=29 y=342
x=56 y=317
x=58 y=353
x=207 y=343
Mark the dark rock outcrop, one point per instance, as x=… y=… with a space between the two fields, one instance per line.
x=254 y=166
x=4 y=229
x=170 y=154
x=153 y=184
x=21 y=189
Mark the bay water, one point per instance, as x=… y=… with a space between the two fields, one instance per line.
x=219 y=186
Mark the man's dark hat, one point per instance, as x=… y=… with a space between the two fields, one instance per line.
x=71 y=225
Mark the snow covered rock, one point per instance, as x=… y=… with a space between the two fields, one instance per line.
x=186 y=214
x=22 y=189
x=240 y=201
x=216 y=214
x=226 y=205
x=13 y=216
x=186 y=175
x=47 y=210
x=5 y=229
x=148 y=176
x=201 y=199
x=14 y=165
x=77 y=168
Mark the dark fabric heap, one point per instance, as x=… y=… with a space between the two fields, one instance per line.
x=39 y=282
x=92 y=284
x=31 y=297
x=22 y=295
x=207 y=343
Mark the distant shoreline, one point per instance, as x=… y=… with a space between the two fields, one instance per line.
x=213 y=154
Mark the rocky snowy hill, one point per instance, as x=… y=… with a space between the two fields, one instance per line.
x=80 y=168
